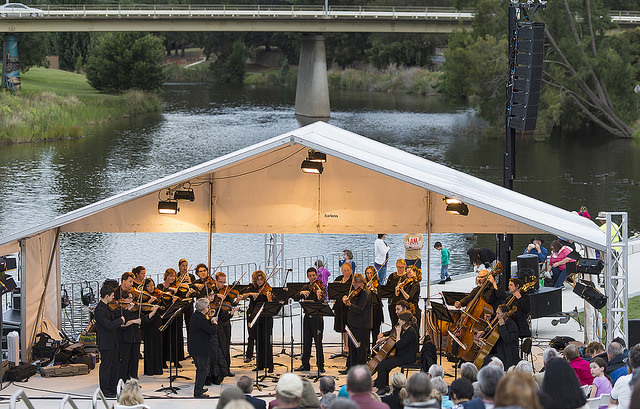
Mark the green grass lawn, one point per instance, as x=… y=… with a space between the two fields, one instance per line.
x=60 y=82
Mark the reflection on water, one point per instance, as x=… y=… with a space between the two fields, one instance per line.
x=201 y=122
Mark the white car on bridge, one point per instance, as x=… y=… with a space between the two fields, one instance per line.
x=19 y=10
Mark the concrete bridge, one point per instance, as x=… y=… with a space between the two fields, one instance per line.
x=312 y=95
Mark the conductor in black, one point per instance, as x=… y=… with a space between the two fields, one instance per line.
x=199 y=345
x=106 y=324
x=313 y=325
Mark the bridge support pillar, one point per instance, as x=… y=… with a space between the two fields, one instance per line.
x=312 y=92
x=10 y=68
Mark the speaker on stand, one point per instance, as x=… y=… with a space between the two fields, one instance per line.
x=528 y=269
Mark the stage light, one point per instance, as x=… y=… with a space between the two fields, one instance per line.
x=588 y=292
x=455 y=206
x=168 y=207
x=184 y=195
x=315 y=156
x=311 y=167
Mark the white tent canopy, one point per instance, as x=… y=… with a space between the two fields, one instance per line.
x=366 y=187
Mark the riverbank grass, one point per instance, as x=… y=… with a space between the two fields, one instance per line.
x=57 y=104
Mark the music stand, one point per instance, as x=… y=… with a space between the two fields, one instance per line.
x=174 y=311
x=336 y=292
x=318 y=309
x=284 y=294
x=265 y=310
x=442 y=314
x=450 y=297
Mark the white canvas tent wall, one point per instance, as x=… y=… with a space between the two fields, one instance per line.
x=366 y=188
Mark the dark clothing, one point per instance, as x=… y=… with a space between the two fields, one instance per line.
x=339 y=309
x=377 y=316
x=392 y=282
x=172 y=337
x=486 y=255
x=476 y=403
x=152 y=345
x=490 y=295
x=202 y=371
x=615 y=363
x=359 y=322
x=201 y=332
x=522 y=314
x=106 y=324
x=312 y=330
x=263 y=330
x=393 y=400
x=365 y=401
x=507 y=346
x=255 y=402
x=406 y=352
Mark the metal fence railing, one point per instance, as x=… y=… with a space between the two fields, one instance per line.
x=75 y=316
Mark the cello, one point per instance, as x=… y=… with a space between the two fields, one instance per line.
x=472 y=321
x=387 y=348
x=491 y=336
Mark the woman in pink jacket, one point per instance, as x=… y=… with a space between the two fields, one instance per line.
x=558 y=262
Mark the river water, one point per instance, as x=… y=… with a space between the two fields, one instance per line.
x=200 y=122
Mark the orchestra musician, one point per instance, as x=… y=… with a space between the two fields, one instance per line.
x=226 y=306
x=376 y=302
x=339 y=309
x=358 y=320
x=172 y=338
x=259 y=291
x=522 y=305
x=126 y=283
x=151 y=334
x=187 y=278
x=506 y=348
x=140 y=274
x=392 y=282
x=492 y=295
x=406 y=350
x=106 y=324
x=129 y=337
x=409 y=289
x=199 y=345
x=400 y=307
x=312 y=325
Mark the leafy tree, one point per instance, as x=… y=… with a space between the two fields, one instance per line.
x=400 y=50
x=122 y=61
x=231 y=67
x=71 y=48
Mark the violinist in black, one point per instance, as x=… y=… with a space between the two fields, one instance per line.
x=152 y=336
x=406 y=350
x=187 y=278
x=224 y=305
x=106 y=324
x=339 y=309
x=358 y=320
x=172 y=338
x=392 y=282
x=312 y=326
x=377 y=315
x=523 y=307
x=140 y=273
x=408 y=289
x=259 y=291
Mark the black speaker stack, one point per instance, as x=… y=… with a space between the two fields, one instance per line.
x=528 y=269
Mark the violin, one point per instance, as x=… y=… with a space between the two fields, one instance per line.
x=374 y=283
x=406 y=282
x=317 y=286
x=115 y=304
x=163 y=296
x=136 y=293
x=353 y=294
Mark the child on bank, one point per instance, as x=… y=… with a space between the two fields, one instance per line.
x=445 y=254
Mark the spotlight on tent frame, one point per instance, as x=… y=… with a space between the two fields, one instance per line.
x=315 y=156
x=311 y=167
x=168 y=207
x=186 y=194
x=455 y=206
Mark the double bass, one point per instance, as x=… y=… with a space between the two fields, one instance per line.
x=491 y=336
x=471 y=322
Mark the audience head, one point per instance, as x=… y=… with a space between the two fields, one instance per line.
x=594 y=348
x=497 y=362
x=399 y=383
x=440 y=385
x=419 y=387
x=461 y=390
x=359 y=379
x=614 y=349
x=436 y=370
x=556 y=246
x=342 y=403
x=598 y=366
x=561 y=384
x=437 y=245
x=327 y=400
x=229 y=394
x=130 y=394
x=548 y=354
x=237 y=404
x=348 y=253
x=245 y=384
x=289 y=390
x=517 y=389
x=525 y=367
x=571 y=352
x=435 y=394
x=319 y=264
x=327 y=385
x=634 y=357
x=620 y=341
x=488 y=378
x=470 y=371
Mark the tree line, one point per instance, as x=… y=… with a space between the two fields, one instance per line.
x=588 y=78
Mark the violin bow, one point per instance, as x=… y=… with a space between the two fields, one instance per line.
x=211 y=275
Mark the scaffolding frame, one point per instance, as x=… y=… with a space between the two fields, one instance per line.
x=274 y=257
x=617 y=276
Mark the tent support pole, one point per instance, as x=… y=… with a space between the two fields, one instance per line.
x=428 y=244
x=210 y=221
x=52 y=255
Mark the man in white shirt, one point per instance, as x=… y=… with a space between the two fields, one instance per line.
x=621 y=392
